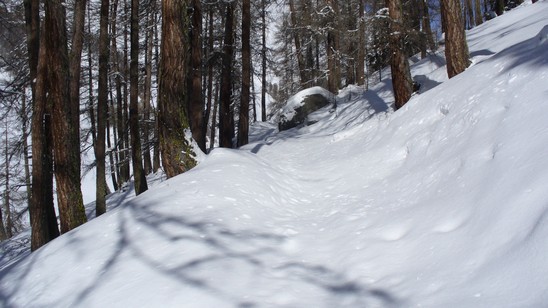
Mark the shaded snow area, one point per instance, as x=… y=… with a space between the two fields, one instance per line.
x=440 y=204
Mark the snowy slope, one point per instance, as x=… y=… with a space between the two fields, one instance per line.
x=441 y=204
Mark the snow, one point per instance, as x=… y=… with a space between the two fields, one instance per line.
x=440 y=204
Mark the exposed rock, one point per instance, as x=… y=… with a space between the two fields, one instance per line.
x=300 y=106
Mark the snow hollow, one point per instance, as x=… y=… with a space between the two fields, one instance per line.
x=443 y=203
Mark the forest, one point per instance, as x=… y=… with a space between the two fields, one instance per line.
x=143 y=85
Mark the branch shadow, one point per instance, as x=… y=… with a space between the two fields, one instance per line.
x=255 y=251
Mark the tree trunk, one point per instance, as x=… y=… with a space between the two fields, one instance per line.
x=66 y=144
x=469 y=13
x=243 y=123
x=333 y=63
x=477 y=12
x=210 y=76
x=226 y=115
x=426 y=28
x=296 y=38
x=42 y=213
x=75 y=63
x=263 y=61
x=360 y=67
x=399 y=64
x=195 y=99
x=456 y=49
x=3 y=231
x=147 y=161
x=175 y=146
x=102 y=107
x=140 y=181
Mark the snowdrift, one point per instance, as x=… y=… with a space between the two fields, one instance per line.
x=441 y=204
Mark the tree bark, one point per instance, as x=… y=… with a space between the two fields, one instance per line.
x=297 y=40
x=333 y=63
x=477 y=12
x=226 y=113
x=147 y=161
x=42 y=213
x=456 y=48
x=243 y=123
x=66 y=144
x=176 y=149
x=102 y=106
x=195 y=99
x=399 y=64
x=139 y=179
x=360 y=67
x=263 y=61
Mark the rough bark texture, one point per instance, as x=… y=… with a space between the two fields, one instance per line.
x=177 y=155
x=195 y=100
x=399 y=64
x=140 y=181
x=42 y=213
x=226 y=113
x=456 y=48
x=102 y=103
x=243 y=124
x=66 y=144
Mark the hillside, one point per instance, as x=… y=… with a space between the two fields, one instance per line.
x=440 y=204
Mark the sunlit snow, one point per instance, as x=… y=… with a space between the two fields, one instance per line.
x=441 y=204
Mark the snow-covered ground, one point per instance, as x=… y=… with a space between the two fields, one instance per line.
x=440 y=204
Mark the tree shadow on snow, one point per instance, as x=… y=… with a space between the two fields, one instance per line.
x=257 y=254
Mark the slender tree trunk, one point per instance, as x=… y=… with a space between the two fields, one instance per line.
x=140 y=181
x=3 y=230
x=42 y=213
x=25 y=122
x=175 y=146
x=456 y=49
x=399 y=64
x=469 y=13
x=333 y=63
x=477 y=12
x=296 y=38
x=243 y=123
x=426 y=28
x=214 y=117
x=102 y=107
x=210 y=64
x=147 y=161
x=263 y=61
x=195 y=99
x=91 y=98
x=360 y=68
x=156 y=151
x=226 y=116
